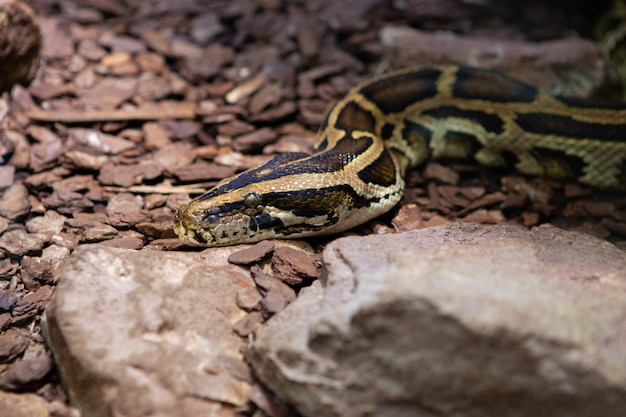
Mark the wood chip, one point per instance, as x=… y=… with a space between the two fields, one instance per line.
x=254 y=140
x=294 y=266
x=276 y=294
x=145 y=111
x=252 y=254
x=245 y=89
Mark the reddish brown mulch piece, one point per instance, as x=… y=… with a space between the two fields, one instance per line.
x=294 y=266
x=26 y=374
x=252 y=254
x=276 y=294
x=12 y=344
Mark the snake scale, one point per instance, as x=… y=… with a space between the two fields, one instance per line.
x=385 y=126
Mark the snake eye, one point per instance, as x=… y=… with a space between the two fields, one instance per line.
x=252 y=200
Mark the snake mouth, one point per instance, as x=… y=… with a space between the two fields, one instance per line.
x=187 y=227
x=211 y=227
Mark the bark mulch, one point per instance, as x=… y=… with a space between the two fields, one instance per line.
x=139 y=106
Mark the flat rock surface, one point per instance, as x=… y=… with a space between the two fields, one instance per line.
x=150 y=333
x=461 y=318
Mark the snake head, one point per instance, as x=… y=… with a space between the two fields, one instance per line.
x=279 y=199
x=218 y=219
x=246 y=216
x=292 y=195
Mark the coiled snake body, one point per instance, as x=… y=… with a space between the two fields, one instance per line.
x=391 y=123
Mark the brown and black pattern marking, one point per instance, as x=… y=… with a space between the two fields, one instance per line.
x=312 y=202
x=474 y=83
x=565 y=126
x=354 y=117
x=414 y=133
x=264 y=221
x=280 y=166
x=558 y=164
x=590 y=104
x=386 y=132
x=490 y=122
x=461 y=145
x=337 y=157
x=380 y=172
x=418 y=138
x=622 y=176
x=395 y=93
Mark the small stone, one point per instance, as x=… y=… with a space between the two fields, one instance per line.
x=14 y=202
x=5 y=321
x=441 y=173
x=98 y=233
x=7 y=173
x=176 y=155
x=252 y=254
x=108 y=93
x=202 y=171
x=149 y=61
x=152 y=87
x=91 y=50
x=254 y=140
x=18 y=242
x=205 y=27
x=85 y=220
x=155 y=230
x=409 y=217
x=276 y=294
x=599 y=208
x=35 y=270
x=483 y=216
x=155 y=136
x=294 y=265
x=12 y=345
x=245 y=89
x=26 y=374
x=112 y=60
x=51 y=222
x=7 y=301
x=285 y=108
x=98 y=142
x=124 y=203
x=127 y=175
x=8 y=268
x=33 y=301
x=183 y=129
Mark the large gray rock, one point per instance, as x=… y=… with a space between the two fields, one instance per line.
x=457 y=320
x=150 y=333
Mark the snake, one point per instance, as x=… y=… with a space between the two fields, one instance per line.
x=383 y=127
